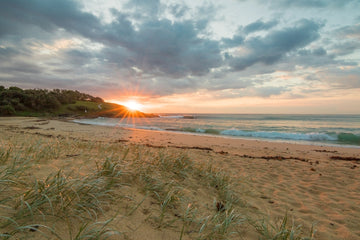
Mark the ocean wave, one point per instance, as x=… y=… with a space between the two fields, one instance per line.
x=281 y=135
x=177 y=116
x=342 y=138
x=171 y=116
x=349 y=138
x=336 y=136
x=97 y=121
x=200 y=130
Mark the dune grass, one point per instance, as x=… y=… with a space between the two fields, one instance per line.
x=55 y=188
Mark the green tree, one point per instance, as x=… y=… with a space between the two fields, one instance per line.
x=7 y=110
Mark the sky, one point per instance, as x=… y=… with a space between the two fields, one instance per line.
x=229 y=56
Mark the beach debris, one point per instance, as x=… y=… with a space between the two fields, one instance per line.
x=39 y=120
x=325 y=151
x=198 y=148
x=154 y=146
x=222 y=152
x=345 y=158
x=31 y=127
x=44 y=135
x=313 y=169
x=271 y=201
x=182 y=147
x=220 y=206
x=72 y=155
x=279 y=158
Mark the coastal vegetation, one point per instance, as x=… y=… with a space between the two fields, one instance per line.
x=15 y=101
x=55 y=187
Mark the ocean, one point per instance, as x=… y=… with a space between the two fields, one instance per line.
x=343 y=130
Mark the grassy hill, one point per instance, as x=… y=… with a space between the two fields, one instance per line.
x=15 y=101
x=94 y=109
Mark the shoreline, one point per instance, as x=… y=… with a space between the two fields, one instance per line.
x=311 y=183
x=303 y=138
x=136 y=135
x=298 y=142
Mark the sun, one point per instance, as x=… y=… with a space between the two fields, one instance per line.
x=133 y=105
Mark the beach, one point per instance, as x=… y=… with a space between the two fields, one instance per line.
x=314 y=185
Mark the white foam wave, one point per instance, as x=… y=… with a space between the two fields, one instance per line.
x=96 y=121
x=280 y=135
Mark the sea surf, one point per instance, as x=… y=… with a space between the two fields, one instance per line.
x=341 y=130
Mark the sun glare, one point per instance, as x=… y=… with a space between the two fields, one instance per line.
x=133 y=105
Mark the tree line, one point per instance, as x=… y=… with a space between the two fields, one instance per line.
x=14 y=99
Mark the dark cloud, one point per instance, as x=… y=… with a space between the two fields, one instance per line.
x=167 y=48
x=77 y=58
x=259 y=25
x=172 y=48
x=272 y=47
x=19 y=15
x=319 y=51
x=241 y=32
x=235 y=41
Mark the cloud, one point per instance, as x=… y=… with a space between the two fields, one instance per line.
x=178 y=10
x=269 y=91
x=174 y=49
x=164 y=48
x=345 y=40
x=20 y=67
x=259 y=25
x=345 y=48
x=235 y=41
x=149 y=8
x=276 y=44
x=8 y=52
x=19 y=15
x=309 y=3
x=341 y=78
x=352 y=31
x=241 y=32
x=157 y=45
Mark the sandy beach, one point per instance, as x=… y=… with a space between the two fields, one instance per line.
x=313 y=184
